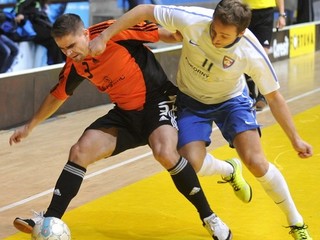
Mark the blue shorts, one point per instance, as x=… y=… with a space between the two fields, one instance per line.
x=195 y=119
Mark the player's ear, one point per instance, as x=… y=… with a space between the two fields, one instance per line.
x=241 y=33
x=85 y=32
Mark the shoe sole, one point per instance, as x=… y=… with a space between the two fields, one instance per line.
x=250 y=194
x=22 y=226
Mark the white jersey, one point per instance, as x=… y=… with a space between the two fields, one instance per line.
x=213 y=75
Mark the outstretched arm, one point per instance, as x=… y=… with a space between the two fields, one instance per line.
x=136 y=15
x=281 y=113
x=49 y=106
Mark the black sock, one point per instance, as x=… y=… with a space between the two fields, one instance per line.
x=66 y=188
x=187 y=182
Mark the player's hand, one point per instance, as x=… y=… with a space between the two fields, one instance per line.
x=97 y=46
x=281 y=23
x=178 y=36
x=303 y=148
x=19 y=133
x=19 y=18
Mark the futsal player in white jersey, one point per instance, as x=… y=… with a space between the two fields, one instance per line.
x=217 y=49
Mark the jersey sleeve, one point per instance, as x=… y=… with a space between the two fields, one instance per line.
x=260 y=69
x=267 y=80
x=178 y=17
x=146 y=32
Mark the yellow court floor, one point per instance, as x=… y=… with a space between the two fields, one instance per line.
x=153 y=209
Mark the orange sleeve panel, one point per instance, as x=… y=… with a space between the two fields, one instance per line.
x=127 y=71
x=144 y=32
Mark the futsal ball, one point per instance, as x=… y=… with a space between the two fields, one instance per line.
x=51 y=228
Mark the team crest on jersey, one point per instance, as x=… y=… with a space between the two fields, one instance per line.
x=227 y=62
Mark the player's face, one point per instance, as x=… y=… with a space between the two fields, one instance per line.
x=223 y=35
x=75 y=46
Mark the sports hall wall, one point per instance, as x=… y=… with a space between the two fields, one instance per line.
x=21 y=92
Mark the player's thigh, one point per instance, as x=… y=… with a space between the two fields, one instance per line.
x=94 y=144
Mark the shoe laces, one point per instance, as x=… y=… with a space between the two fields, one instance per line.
x=299 y=231
x=232 y=181
x=37 y=216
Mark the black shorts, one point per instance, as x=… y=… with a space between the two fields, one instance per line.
x=262 y=25
x=134 y=127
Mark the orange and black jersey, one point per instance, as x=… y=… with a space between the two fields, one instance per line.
x=127 y=71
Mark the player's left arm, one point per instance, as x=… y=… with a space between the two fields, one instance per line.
x=282 y=114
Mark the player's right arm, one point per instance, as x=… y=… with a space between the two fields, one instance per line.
x=49 y=106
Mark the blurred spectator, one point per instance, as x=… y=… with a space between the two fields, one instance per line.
x=262 y=27
x=34 y=10
x=8 y=50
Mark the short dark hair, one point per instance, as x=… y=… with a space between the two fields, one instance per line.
x=233 y=12
x=66 y=24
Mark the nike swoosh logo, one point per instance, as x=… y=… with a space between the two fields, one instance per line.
x=193 y=43
x=280 y=201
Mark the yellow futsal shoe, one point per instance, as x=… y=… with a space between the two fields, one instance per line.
x=300 y=232
x=240 y=187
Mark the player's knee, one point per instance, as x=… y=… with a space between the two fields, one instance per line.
x=168 y=157
x=257 y=165
x=79 y=155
